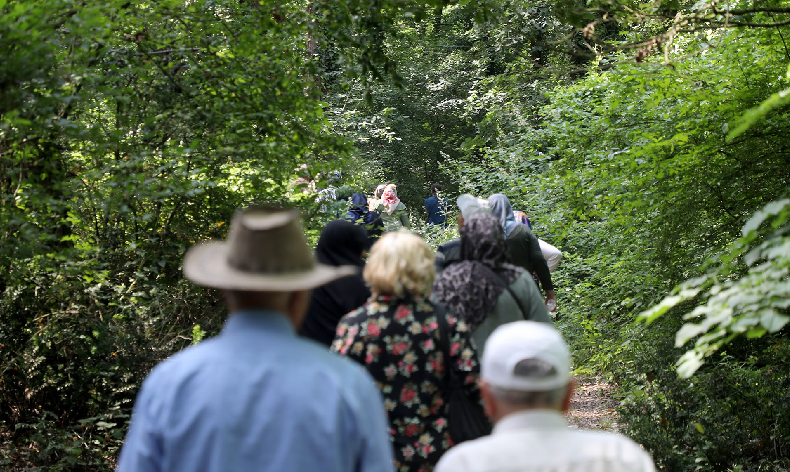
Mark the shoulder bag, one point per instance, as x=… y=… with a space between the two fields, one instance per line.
x=466 y=419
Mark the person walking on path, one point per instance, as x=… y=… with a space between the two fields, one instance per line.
x=359 y=213
x=526 y=387
x=524 y=247
x=393 y=211
x=436 y=206
x=484 y=289
x=449 y=252
x=257 y=396
x=396 y=336
x=342 y=243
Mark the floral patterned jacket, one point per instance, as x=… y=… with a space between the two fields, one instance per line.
x=397 y=340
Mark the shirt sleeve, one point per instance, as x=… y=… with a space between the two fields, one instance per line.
x=142 y=449
x=376 y=449
x=539 y=264
x=532 y=299
x=404 y=219
x=463 y=356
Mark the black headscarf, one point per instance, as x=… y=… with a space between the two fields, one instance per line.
x=359 y=213
x=471 y=287
x=341 y=243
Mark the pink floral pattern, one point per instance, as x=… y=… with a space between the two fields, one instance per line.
x=398 y=342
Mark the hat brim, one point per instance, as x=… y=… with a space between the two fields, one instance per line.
x=206 y=264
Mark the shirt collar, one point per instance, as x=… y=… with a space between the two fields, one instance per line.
x=531 y=419
x=258 y=320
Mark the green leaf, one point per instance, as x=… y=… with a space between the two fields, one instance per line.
x=748 y=119
x=773 y=321
x=755 y=332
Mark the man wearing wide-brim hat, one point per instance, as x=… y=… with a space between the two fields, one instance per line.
x=257 y=397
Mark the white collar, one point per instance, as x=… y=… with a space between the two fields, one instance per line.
x=531 y=419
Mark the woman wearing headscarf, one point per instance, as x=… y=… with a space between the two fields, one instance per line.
x=393 y=214
x=522 y=244
x=341 y=243
x=408 y=345
x=484 y=289
x=358 y=213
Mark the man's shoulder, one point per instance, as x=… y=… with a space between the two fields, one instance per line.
x=184 y=361
x=486 y=453
x=298 y=355
x=465 y=456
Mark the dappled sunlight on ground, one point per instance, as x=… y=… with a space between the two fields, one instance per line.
x=592 y=405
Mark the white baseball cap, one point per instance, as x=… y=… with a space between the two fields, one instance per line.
x=528 y=356
x=471 y=205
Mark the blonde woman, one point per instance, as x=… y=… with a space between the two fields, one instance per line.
x=397 y=337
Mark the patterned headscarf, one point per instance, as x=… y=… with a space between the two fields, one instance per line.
x=390 y=198
x=522 y=218
x=470 y=288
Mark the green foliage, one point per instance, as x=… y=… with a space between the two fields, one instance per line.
x=129 y=131
x=776 y=100
x=647 y=189
x=752 y=303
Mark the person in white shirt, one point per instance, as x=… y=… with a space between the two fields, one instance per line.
x=526 y=387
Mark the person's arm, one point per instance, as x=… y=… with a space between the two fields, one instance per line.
x=375 y=454
x=345 y=338
x=531 y=298
x=142 y=448
x=463 y=356
x=539 y=265
x=404 y=219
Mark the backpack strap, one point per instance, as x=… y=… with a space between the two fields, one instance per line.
x=518 y=302
x=512 y=294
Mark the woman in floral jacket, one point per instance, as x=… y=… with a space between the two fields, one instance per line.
x=396 y=337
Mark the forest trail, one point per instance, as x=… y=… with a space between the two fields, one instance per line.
x=592 y=405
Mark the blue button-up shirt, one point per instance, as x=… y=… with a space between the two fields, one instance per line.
x=257 y=398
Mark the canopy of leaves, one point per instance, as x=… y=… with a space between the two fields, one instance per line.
x=131 y=130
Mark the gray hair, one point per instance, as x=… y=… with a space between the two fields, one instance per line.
x=536 y=369
x=540 y=399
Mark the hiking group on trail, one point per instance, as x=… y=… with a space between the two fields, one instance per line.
x=373 y=354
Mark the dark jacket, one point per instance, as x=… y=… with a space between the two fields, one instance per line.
x=341 y=243
x=525 y=251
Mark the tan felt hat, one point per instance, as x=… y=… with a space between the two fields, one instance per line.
x=266 y=251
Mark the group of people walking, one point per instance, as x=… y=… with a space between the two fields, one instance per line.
x=260 y=397
x=383 y=212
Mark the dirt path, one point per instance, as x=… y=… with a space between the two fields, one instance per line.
x=592 y=405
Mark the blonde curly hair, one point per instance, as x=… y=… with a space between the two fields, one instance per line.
x=400 y=264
